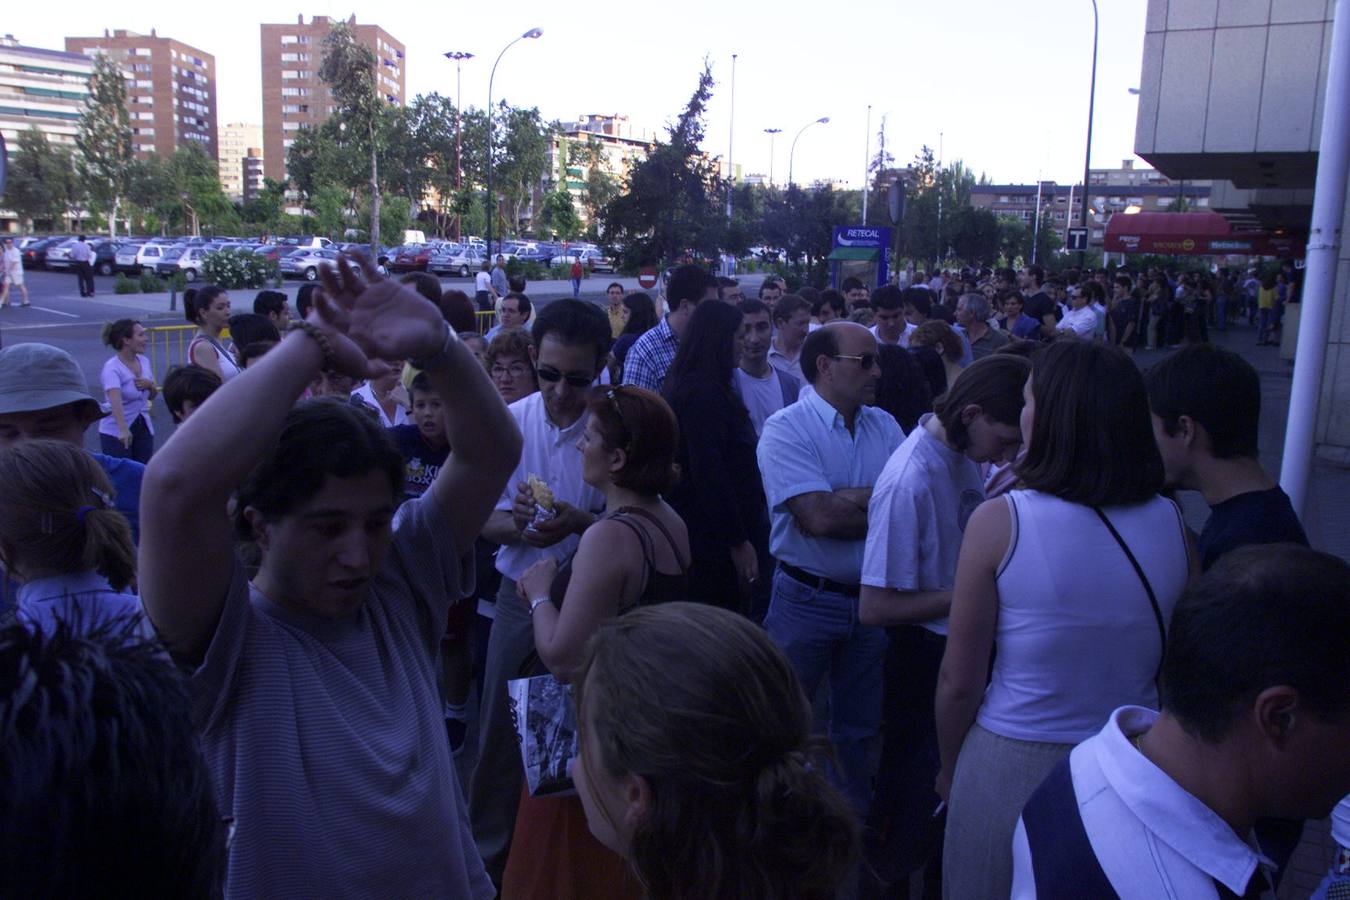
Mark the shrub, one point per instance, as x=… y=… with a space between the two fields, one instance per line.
x=178 y=282
x=125 y=285
x=152 y=284
x=236 y=267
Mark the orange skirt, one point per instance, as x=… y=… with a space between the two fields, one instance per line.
x=554 y=856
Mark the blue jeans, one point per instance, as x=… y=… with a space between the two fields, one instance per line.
x=820 y=634
x=576 y=288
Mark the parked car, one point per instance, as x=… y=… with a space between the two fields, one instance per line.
x=187 y=260
x=148 y=256
x=125 y=259
x=590 y=258
x=306 y=240
x=35 y=254
x=381 y=255
x=304 y=262
x=463 y=262
x=58 y=255
x=412 y=257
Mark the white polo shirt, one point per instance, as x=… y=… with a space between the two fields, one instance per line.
x=1151 y=838
x=551 y=453
x=904 y=335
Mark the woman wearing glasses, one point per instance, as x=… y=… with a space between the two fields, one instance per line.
x=720 y=495
x=508 y=363
x=636 y=554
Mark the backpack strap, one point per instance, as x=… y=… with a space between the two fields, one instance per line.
x=665 y=532
x=1148 y=588
x=1062 y=858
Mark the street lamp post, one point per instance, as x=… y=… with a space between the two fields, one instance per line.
x=772 y=133
x=458 y=56
x=1087 y=155
x=731 y=140
x=491 y=201
x=823 y=120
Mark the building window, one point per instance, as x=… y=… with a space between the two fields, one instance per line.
x=146 y=84
x=290 y=126
x=289 y=74
x=141 y=51
x=1202 y=201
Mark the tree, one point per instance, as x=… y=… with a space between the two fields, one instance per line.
x=881 y=178
x=266 y=208
x=522 y=157
x=104 y=138
x=348 y=68
x=671 y=201
x=975 y=235
x=38 y=185
x=1179 y=205
x=558 y=215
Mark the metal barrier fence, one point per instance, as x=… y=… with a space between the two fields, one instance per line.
x=168 y=347
x=484 y=319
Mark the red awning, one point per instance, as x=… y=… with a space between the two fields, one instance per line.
x=1196 y=233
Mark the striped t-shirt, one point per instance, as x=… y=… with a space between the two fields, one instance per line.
x=326 y=738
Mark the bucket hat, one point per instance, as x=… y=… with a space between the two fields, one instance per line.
x=35 y=377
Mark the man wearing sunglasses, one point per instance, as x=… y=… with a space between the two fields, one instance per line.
x=819 y=458
x=571 y=345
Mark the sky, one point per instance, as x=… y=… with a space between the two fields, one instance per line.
x=1000 y=84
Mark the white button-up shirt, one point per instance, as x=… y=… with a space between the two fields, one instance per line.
x=551 y=453
x=1151 y=838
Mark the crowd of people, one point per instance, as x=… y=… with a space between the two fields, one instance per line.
x=851 y=587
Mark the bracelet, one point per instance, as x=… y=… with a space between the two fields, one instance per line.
x=442 y=357
x=325 y=345
x=536 y=603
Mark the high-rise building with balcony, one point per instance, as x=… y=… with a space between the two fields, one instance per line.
x=171 y=89
x=295 y=98
x=40 y=88
x=237 y=141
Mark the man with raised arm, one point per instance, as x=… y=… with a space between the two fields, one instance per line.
x=314 y=686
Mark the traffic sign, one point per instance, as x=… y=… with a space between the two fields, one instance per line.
x=647 y=277
x=1078 y=239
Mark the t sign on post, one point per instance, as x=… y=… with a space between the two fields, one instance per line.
x=897 y=202
x=647 y=278
x=1078 y=239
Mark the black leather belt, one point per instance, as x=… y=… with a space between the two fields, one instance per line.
x=818 y=582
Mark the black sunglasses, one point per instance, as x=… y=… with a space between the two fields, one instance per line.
x=865 y=362
x=572 y=378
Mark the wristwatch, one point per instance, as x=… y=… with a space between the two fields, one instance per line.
x=441 y=358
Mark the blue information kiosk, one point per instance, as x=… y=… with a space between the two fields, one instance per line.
x=861 y=252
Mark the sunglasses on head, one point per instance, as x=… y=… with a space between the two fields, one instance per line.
x=865 y=362
x=572 y=378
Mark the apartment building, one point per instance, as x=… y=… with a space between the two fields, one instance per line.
x=1109 y=192
x=621 y=146
x=237 y=141
x=294 y=97
x=171 y=89
x=253 y=173
x=41 y=88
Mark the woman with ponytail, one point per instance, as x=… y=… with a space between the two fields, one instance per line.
x=62 y=539
x=208 y=307
x=697 y=761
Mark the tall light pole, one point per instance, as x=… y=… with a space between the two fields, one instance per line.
x=772 y=133
x=823 y=120
x=1087 y=154
x=491 y=201
x=731 y=140
x=458 y=56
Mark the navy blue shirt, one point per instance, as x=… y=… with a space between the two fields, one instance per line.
x=421 y=461
x=1256 y=517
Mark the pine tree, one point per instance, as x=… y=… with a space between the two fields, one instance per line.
x=104 y=138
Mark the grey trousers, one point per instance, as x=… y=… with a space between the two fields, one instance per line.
x=494 y=787
x=995 y=777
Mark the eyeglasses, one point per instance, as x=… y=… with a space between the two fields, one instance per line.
x=575 y=379
x=865 y=362
x=515 y=370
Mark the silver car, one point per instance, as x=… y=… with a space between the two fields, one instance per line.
x=305 y=262
x=461 y=261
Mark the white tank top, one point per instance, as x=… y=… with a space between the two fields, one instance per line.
x=1077 y=636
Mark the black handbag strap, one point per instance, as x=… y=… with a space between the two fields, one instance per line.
x=1148 y=588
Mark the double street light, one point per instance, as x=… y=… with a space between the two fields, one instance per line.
x=491 y=201
x=458 y=56
x=823 y=120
